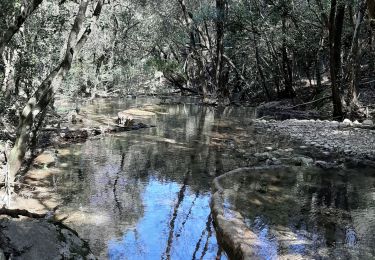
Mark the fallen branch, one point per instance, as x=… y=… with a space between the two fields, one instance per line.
x=15 y=213
x=311 y=102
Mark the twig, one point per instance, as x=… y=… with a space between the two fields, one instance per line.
x=311 y=102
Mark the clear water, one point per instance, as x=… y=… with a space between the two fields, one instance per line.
x=145 y=194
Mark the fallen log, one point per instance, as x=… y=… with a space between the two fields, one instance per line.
x=16 y=213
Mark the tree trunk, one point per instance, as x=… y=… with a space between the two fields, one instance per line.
x=43 y=96
x=220 y=23
x=9 y=85
x=335 y=32
x=318 y=63
x=287 y=69
x=371 y=10
x=259 y=68
x=353 y=62
x=198 y=60
x=371 y=14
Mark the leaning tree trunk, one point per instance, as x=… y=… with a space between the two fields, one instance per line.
x=43 y=96
x=335 y=32
x=26 y=10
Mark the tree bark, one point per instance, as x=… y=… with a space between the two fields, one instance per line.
x=371 y=14
x=220 y=23
x=336 y=22
x=287 y=69
x=9 y=85
x=353 y=62
x=45 y=92
x=371 y=10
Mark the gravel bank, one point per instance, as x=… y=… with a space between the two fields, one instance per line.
x=351 y=140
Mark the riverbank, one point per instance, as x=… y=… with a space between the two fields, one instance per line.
x=252 y=214
x=352 y=142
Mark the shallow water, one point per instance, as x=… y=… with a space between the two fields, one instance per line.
x=145 y=194
x=307 y=213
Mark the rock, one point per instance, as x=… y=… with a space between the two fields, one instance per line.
x=322 y=164
x=327 y=165
x=262 y=156
x=302 y=161
x=40 y=239
x=275 y=161
x=269 y=148
x=44 y=160
x=368 y=122
x=347 y=122
x=252 y=142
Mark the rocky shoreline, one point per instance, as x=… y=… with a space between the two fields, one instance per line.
x=346 y=141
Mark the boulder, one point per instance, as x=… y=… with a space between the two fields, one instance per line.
x=40 y=239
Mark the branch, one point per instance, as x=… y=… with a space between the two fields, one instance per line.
x=15 y=213
x=26 y=11
x=311 y=102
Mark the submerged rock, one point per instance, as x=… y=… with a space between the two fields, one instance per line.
x=45 y=159
x=40 y=239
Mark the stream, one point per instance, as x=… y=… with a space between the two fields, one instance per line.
x=146 y=194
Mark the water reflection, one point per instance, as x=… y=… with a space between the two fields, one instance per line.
x=147 y=240
x=145 y=194
x=308 y=214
